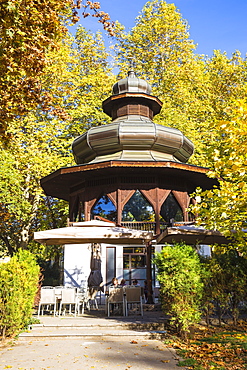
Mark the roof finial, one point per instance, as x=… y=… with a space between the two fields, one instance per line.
x=131 y=72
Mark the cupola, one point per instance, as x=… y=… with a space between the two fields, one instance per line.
x=132 y=135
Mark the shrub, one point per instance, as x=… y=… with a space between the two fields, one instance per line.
x=227 y=282
x=19 y=282
x=179 y=274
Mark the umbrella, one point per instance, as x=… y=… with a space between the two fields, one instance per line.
x=191 y=235
x=95 y=278
x=93 y=232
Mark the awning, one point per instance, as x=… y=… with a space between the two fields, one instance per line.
x=191 y=235
x=93 y=232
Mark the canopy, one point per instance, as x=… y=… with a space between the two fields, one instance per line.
x=191 y=235
x=93 y=232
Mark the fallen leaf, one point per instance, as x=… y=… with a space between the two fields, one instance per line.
x=165 y=361
x=134 y=342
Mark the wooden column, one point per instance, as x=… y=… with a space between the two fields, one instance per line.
x=149 y=274
x=119 y=207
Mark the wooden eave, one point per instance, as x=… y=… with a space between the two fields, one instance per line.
x=59 y=183
x=130 y=97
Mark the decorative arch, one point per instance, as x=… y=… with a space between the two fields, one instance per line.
x=171 y=209
x=104 y=207
x=137 y=208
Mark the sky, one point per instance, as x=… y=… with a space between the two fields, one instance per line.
x=214 y=24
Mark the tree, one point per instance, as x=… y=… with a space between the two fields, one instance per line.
x=195 y=90
x=41 y=140
x=224 y=208
x=224 y=281
x=29 y=30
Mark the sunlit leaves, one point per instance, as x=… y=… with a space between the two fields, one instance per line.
x=225 y=208
x=74 y=84
x=195 y=89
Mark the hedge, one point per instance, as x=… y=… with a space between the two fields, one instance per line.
x=18 y=286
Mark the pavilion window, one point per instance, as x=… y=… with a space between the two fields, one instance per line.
x=171 y=210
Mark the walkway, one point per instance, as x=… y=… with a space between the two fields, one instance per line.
x=92 y=341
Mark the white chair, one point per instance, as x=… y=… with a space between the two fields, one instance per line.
x=116 y=297
x=48 y=299
x=68 y=299
x=82 y=300
x=133 y=296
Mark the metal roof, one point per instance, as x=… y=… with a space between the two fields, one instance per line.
x=180 y=176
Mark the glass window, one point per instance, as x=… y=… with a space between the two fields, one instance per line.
x=126 y=263
x=138 y=261
x=139 y=250
x=139 y=274
x=110 y=264
x=127 y=250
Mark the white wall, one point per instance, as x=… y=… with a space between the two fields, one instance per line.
x=76 y=264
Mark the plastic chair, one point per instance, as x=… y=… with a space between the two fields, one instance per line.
x=47 y=298
x=133 y=295
x=82 y=300
x=68 y=299
x=116 y=296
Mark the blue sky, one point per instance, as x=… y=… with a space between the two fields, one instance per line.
x=214 y=24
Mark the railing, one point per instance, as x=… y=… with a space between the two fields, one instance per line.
x=151 y=226
x=143 y=225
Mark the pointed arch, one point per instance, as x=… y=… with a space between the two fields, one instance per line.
x=171 y=209
x=138 y=208
x=105 y=208
x=182 y=198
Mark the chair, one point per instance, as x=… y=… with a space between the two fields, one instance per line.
x=68 y=299
x=82 y=299
x=92 y=293
x=116 y=297
x=47 y=298
x=133 y=295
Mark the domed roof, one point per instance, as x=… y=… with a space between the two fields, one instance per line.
x=131 y=84
x=132 y=135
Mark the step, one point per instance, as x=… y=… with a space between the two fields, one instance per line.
x=78 y=327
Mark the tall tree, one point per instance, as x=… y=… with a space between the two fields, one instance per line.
x=29 y=30
x=195 y=90
x=224 y=208
x=41 y=140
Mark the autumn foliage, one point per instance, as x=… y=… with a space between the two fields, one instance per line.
x=29 y=30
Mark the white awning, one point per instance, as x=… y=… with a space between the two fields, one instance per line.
x=191 y=235
x=93 y=232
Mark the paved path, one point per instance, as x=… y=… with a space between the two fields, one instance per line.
x=89 y=342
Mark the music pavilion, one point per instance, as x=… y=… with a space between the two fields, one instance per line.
x=132 y=172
